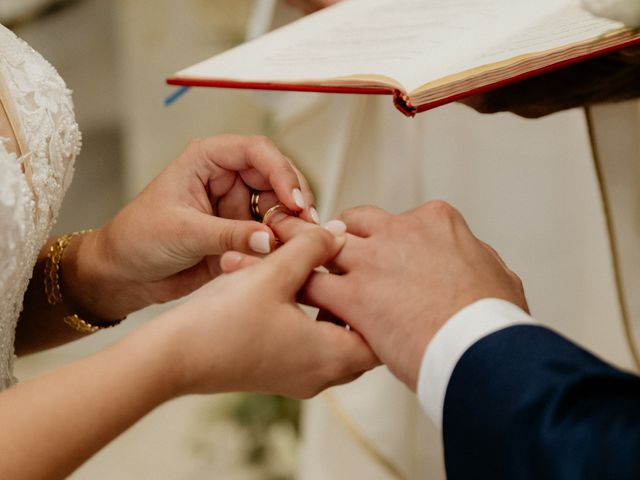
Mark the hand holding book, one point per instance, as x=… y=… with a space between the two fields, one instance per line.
x=309 y=6
x=607 y=79
x=611 y=78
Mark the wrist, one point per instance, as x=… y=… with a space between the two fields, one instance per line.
x=151 y=361
x=187 y=368
x=422 y=334
x=89 y=284
x=466 y=327
x=406 y=365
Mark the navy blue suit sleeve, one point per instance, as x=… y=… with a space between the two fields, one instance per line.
x=527 y=404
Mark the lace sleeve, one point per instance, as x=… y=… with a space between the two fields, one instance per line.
x=32 y=183
x=15 y=196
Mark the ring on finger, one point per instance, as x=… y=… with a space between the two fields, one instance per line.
x=277 y=207
x=254 y=206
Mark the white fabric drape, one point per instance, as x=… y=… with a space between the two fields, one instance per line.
x=527 y=187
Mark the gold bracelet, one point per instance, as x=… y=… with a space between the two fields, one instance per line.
x=52 y=285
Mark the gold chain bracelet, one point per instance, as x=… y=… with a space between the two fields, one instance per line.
x=52 y=285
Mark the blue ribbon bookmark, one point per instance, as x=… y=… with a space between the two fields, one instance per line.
x=171 y=99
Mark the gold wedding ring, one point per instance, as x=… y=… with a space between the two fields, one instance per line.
x=274 y=209
x=254 y=205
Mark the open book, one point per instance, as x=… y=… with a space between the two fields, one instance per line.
x=425 y=53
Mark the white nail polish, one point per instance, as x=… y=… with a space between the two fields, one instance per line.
x=259 y=242
x=232 y=259
x=336 y=227
x=298 y=198
x=314 y=215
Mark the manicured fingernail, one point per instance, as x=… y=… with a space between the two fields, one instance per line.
x=232 y=259
x=259 y=242
x=298 y=198
x=336 y=227
x=314 y=215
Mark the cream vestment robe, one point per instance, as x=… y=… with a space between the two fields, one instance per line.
x=527 y=187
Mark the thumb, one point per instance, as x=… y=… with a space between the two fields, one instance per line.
x=233 y=261
x=215 y=235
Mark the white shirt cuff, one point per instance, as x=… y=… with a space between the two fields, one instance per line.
x=465 y=328
x=625 y=11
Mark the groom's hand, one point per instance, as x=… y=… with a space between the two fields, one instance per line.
x=400 y=278
x=309 y=6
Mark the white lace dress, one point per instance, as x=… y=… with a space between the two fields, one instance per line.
x=39 y=108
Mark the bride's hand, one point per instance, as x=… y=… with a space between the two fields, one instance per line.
x=166 y=242
x=245 y=332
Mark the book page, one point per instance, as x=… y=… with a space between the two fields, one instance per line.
x=569 y=25
x=369 y=37
x=410 y=41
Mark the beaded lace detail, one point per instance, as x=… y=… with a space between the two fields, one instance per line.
x=41 y=110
